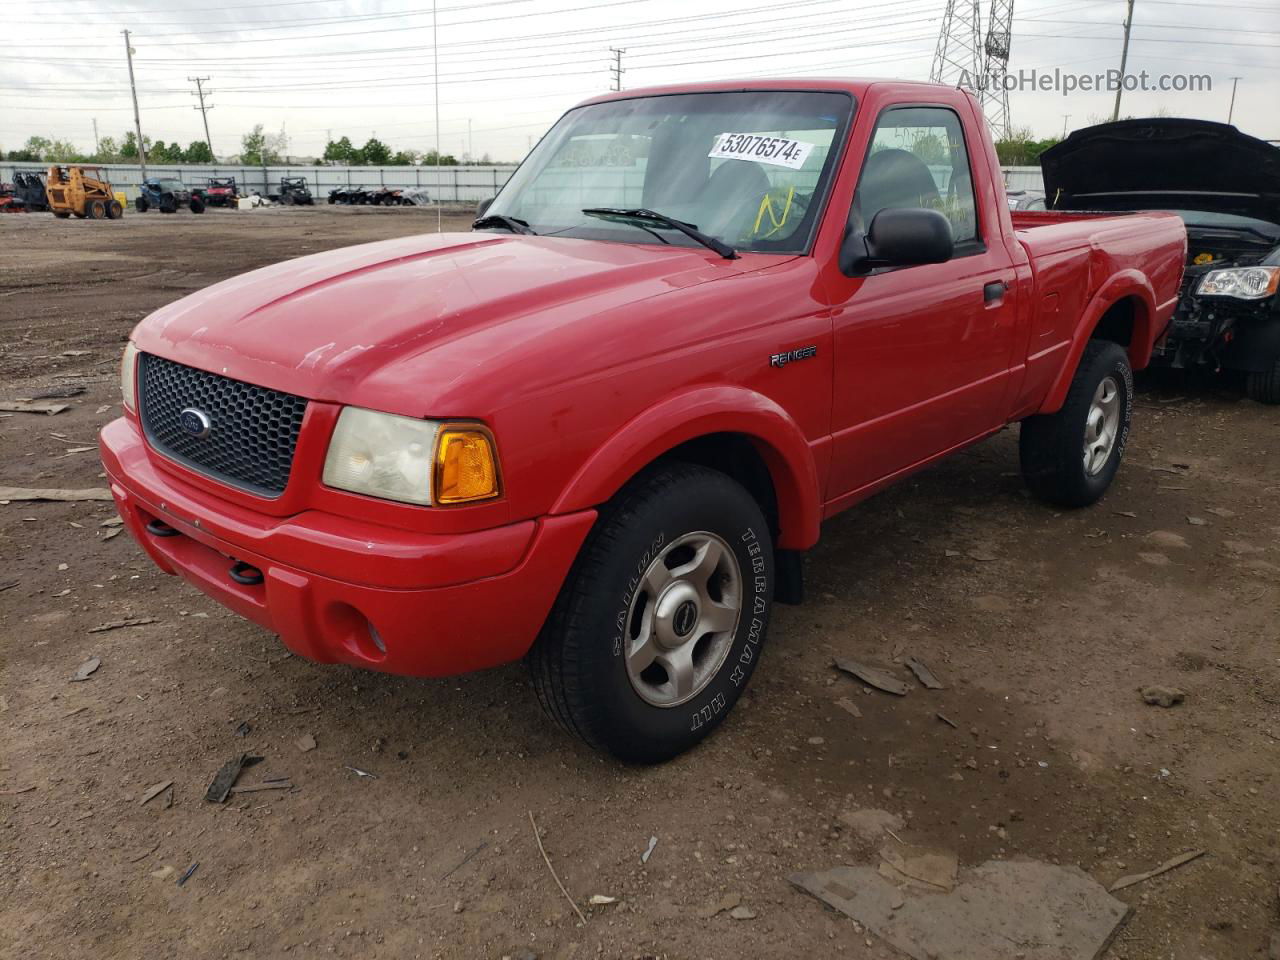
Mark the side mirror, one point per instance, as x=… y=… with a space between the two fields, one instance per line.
x=898 y=238
x=483 y=205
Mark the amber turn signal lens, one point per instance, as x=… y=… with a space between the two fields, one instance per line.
x=466 y=465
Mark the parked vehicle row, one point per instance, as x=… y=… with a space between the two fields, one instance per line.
x=382 y=196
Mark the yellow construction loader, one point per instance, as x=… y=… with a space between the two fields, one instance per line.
x=72 y=192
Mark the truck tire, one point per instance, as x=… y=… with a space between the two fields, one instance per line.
x=197 y=205
x=97 y=210
x=168 y=205
x=115 y=211
x=660 y=623
x=1264 y=386
x=141 y=205
x=1069 y=458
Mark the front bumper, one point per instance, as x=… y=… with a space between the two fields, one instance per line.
x=339 y=590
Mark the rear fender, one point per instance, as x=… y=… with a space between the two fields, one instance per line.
x=697 y=413
x=1126 y=283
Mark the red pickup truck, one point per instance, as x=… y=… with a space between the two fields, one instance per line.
x=599 y=430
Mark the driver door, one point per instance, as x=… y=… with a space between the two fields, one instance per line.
x=921 y=352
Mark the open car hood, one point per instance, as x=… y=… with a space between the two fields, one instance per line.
x=1164 y=163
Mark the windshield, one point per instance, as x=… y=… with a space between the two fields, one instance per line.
x=170 y=184
x=748 y=168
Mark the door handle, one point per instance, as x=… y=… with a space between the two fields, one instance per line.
x=993 y=291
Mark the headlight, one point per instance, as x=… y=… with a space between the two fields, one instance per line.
x=129 y=376
x=412 y=461
x=1244 y=283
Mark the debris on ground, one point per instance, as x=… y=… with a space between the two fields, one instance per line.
x=306 y=743
x=873 y=676
x=62 y=392
x=242 y=729
x=226 y=777
x=14 y=793
x=33 y=406
x=54 y=493
x=847 y=705
x=648 y=851
x=143 y=854
x=1158 y=696
x=86 y=669
x=600 y=900
x=187 y=873
x=164 y=873
x=947 y=720
x=1170 y=864
x=1001 y=910
x=155 y=791
x=554 y=876
x=465 y=860
x=872 y=824
x=282 y=784
x=924 y=674
x=361 y=773
x=120 y=624
x=742 y=913
x=728 y=902
x=911 y=866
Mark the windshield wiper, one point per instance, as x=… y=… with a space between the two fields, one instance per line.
x=514 y=224
x=652 y=216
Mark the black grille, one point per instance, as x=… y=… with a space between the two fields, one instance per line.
x=253 y=430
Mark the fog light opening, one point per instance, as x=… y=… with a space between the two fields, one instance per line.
x=377 y=639
x=357 y=633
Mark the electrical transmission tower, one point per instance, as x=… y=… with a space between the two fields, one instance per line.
x=616 y=67
x=957 y=61
x=994 y=92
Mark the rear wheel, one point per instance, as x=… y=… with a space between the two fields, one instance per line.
x=114 y=210
x=141 y=204
x=197 y=205
x=1264 y=386
x=1069 y=458
x=288 y=199
x=659 y=625
x=97 y=209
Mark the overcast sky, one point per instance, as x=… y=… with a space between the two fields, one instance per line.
x=508 y=68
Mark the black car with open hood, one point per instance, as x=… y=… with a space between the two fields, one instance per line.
x=1226 y=187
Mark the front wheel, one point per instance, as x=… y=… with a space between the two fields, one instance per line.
x=660 y=624
x=1264 y=386
x=141 y=205
x=1069 y=458
x=196 y=205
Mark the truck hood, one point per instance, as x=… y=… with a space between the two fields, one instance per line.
x=316 y=326
x=1164 y=163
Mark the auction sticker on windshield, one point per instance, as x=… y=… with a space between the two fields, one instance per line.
x=779 y=151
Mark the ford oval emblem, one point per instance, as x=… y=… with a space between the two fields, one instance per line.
x=195 y=422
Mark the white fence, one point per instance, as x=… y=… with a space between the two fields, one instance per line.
x=462 y=185
x=451 y=185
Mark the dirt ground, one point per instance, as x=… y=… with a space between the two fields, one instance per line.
x=1042 y=625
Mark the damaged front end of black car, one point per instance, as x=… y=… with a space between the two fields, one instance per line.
x=1226 y=187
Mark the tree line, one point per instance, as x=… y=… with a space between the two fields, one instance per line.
x=257 y=148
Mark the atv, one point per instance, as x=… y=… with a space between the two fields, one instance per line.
x=349 y=195
x=221 y=192
x=390 y=197
x=166 y=194
x=29 y=190
x=294 y=190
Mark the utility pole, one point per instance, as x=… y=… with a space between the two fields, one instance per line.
x=97 y=146
x=616 y=67
x=435 y=70
x=1065 y=118
x=1231 y=111
x=471 y=157
x=137 y=120
x=1124 y=60
x=204 y=111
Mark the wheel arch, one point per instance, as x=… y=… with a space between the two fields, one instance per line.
x=1123 y=311
x=731 y=429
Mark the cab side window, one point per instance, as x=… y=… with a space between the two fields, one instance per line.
x=918 y=159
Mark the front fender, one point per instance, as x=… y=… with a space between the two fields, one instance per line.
x=1131 y=284
x=698 y=413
